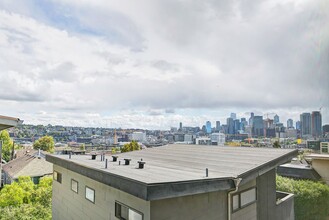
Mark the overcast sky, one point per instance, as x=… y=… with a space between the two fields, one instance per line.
x=151 y=64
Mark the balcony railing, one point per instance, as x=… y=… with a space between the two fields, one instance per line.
x=284 y=206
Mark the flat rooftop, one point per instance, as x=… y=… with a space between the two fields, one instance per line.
x=183 y=165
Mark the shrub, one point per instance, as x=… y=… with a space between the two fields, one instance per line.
x=311 y=198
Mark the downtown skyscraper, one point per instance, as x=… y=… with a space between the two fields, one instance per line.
x=316 y=127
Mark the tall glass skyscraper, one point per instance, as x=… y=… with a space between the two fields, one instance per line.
x=258 y=126
x=316 y=127
x=305 y=123
x=208 y=127
x=230 y=125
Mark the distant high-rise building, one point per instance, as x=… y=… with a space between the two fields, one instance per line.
x=325 y=128
x=252 y=115
x=243 y=124
x=217 y=126
x=298 y=125
x=180 y=126
x=208 y=127
x=230 y=125
x=305 y=122
x=276 y=119
x=204 y=129
x=316 y=127
x=233 y=115
x=290 y=123
x=236 y=126
x=258 y=126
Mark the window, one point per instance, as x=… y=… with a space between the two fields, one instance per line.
x=236 y=202
x=247 y=197
x=90 y=194
x=324 y=147
x=74 y=185
x=57 y=176
x=243 y=199
x=124 y=212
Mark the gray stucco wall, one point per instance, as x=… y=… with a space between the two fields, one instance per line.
x=70 y=205
x=207 y=206
x=249 y=212
x=266 y=191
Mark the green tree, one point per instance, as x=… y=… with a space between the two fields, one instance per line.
x=7 y=145
x=276 y=144
x=45 y=143
x=133 y=145
x=25 y=200
x=311 y=198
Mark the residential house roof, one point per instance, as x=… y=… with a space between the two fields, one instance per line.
x=31 y=164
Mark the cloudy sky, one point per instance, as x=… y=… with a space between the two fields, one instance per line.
x=151 y=64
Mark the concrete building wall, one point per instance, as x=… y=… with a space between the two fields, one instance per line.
x=70 y=205
x=249 y=212
x=208 y=206
x=321 y=166
x=266 y=200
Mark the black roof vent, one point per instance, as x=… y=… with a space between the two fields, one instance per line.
x=115 y=158
x=141 y=164
x=127 y=161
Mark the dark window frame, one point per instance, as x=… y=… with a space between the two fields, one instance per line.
x=94 y=197
x=73 y=180
x=57 y=176
x=239 y=196
x=117 y=203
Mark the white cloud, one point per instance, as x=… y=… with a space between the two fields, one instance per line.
x=108 y=57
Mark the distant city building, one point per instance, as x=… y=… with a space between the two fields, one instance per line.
x=188 y=138
x=233 y=115
x=236 y=126
x=325 y=128
x=290 y=123
x=243 y=124
x=217 y=125
x=204 y=129
x=217 y=139
x=252 y=115
x=316 y=127
x=230 y=125
x=203 y=141
x=258 y=126
x=208 y=127
x=298 y=125
x=138 y=136
x=276 y=119
x=305 y=120
x=291 y=133
x=180 y=126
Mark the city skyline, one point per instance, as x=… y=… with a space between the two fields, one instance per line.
x=113 y=64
